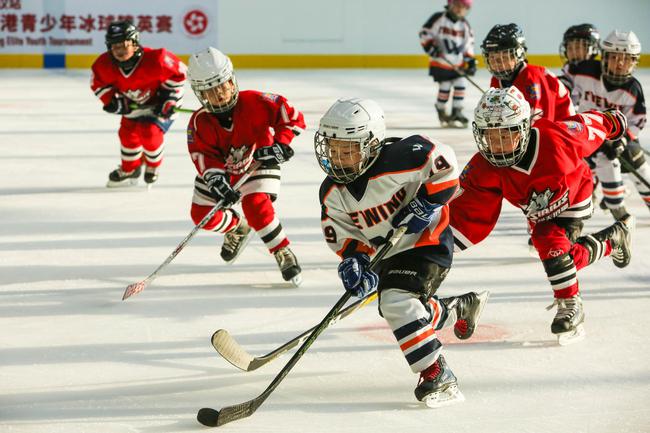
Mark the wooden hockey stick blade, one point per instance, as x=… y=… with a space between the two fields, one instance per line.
x=234 y=353
x=134 y=289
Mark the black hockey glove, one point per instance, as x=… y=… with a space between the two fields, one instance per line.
x=118 y=105
x=614 y=148
x=432 y=50
x=165 y=109
x=619 y=122
x=219 y=185
x=274 y=154
x=470 y=66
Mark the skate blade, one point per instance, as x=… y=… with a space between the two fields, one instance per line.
x=297 y=280
x=571 y=337
x=451 y=395
x=122 y=184
x=245 y=242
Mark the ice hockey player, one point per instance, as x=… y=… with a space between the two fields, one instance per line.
x=143 y=85
x=504 y=49
x=449 y=41
x=372 y=186
x=610 y=83
x=233 y=129
x=541 y=170
x=579 y=43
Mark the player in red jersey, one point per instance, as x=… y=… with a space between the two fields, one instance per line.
x=224 y=138
x=541 y=170
x=504 y=50
x=143 y=85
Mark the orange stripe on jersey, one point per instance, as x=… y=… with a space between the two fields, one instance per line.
x=614 y=192
x=415 y=340
x=359 y=248
x=433 y=188
x=441 y=65
x=430 y=237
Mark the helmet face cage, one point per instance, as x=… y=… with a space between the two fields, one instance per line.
x=500 y=138
x=209 y=95
x=618 y=67
x=579 y=43
x=503 y=64
x=121 y=31
x=345 y=159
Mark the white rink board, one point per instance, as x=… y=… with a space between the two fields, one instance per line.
x=75 y=359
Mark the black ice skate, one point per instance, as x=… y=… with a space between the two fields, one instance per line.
x=438 y=386
x=468 y=312
x=619 y=235
x=568 y=321
x=457 y=119
x=288 y=265
x=150 y=175
x=118 y=178
x=443 y=118
x=235 y=241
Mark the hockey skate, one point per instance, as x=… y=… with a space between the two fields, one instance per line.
x=443 y=118
x=119 y=178
x=619 y=235
x=468 y=312
x=235 y=241
x=150 y=175
x=438 y=386
x=288 y=265
x=568 y=321
x=457 y=119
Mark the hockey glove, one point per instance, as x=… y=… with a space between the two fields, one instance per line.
x=118 y=105
x=219 y=185
x=470 y=66
x=417 y=215
x=165 y=109
x=356 y=276
x=619 y=123
x=274 y=154
x=432 y=50
x=614 y=148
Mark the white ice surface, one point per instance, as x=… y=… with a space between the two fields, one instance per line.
x=75 y=358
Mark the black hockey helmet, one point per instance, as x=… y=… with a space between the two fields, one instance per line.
x=505 y=37
x=120 y=31
x=581 y=32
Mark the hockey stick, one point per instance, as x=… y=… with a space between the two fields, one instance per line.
x=630 y=168
x=212 y=417
x=464 y=75
x=135 y=288
x=235 y=354
x=176 y=109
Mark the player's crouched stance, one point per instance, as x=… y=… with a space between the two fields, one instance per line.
x=232 y=130
x=374 y=185
x=541 y=170
x=142 y=85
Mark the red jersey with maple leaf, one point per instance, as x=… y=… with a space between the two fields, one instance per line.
x=551 y=181
x=547 y=96
x=157 y=76
x=231 y=149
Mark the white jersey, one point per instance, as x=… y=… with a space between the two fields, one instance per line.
x=356 y=217
x=596 y=94
x=454 y=39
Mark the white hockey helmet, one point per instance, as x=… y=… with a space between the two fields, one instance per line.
x=349 y=137
x=213 y=80
x=502 y=126
x=620 y=56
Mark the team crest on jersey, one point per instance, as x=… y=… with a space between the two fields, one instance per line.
x=540 y=206
x=239 y=159
x=465 y=171
x=574 y=128
x=138 y=96
x=534 y=91
x=270 y=96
